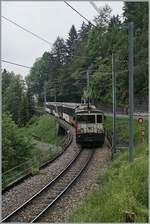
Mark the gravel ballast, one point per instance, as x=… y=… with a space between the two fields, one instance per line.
x=18 y=194
x=86 y=183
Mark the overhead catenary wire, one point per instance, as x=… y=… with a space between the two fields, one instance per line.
x=26 y=30
x=79 y=13
x=13 y=63
x=92 y=70
x=39 y=37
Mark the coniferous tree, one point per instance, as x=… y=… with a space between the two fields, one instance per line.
x=59 y=51
x=71 y=40
x=83 y=31
x=14 y=97
x=6 y=79
x=69 y=60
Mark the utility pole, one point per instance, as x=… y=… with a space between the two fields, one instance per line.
x=55 y=93
x=114 y=104
x=45 y=96
x=55 y=96
x=88 y=85
x=131 y=89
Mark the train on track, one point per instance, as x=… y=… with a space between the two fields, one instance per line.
x=86 y=118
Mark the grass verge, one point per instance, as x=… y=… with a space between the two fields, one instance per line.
x=44 y=129
x=124 y=186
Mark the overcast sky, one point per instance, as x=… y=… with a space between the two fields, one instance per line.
x=47 y=19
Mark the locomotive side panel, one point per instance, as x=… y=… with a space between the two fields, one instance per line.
x=68 y=114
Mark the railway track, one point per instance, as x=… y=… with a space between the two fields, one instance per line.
x=65 y=144
x=36 y=208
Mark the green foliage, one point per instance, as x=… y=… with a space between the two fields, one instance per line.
x=122 y=130
x=15 y=98
x=138 y=13
x=43 y=129
x=6 y=79
x=22 y=149
x=92 y=47
x=124 y=187
x=70 y=43
x=16 y=147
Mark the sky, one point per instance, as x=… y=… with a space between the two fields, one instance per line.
x=47 y=19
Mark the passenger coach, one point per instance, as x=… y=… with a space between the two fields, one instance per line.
x=88 y=121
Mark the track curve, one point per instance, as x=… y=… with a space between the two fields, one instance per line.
x=33 y=209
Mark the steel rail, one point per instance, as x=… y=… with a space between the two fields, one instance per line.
x=8 y=217
x=39 y=216
x=67 y=141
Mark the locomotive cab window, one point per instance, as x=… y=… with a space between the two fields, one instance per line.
x=86 y=118
x=99 y=119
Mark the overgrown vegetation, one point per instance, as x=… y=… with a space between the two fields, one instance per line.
x=43 y=128
x=124 y=186
x=16 y=147
x=17 y=115
x=17 y=109
x=18 y=144
x=26 y=149
x=16 y=98
x=122 y=130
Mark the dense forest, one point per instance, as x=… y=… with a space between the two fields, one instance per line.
x=61 y=72
x=63 y=69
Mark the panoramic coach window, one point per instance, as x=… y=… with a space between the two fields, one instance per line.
x=86 y=118
x=99 y=118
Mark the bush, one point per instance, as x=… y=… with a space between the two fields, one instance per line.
x=16 y=148
x=44 y=129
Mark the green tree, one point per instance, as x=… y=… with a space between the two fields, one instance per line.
x=83 y=31
x=14 y=97
x=137 y=12
x=6 y=79
x=71 y=41
x=59 y=51
x=90 y=46
x=104 y=16
x=16 y=148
